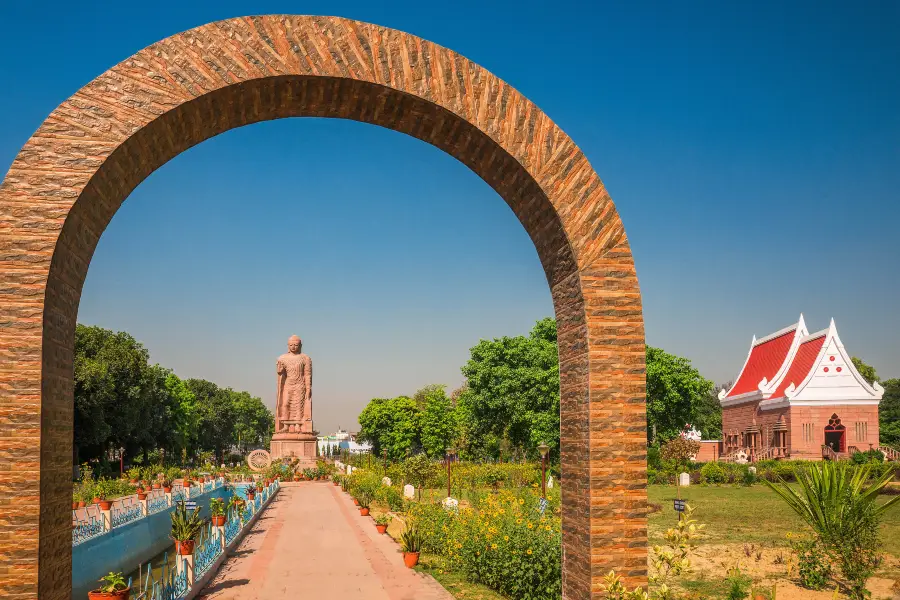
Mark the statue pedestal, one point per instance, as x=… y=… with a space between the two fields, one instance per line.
x=301 y=446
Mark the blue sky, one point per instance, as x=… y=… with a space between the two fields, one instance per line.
x=752 y=149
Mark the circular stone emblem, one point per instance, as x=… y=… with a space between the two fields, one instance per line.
x=259 y=460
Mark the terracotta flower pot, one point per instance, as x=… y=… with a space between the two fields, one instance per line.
x=363 y=512
x=133 y=481
x=355 y=502
x=251 y=495
x=381 y=528
x=74 y=505
x=142 y=496
x=156 y=486
x=335 y=483
x=184 y=548
x=410 y=559
x=167 y=489
x=139 y=490
x=96 y=501
x=218 y=520
x=82 y=504
x=187 y=483
x=119 y=595
x=105 y=504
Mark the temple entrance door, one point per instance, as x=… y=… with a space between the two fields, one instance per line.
x=835 y=434
x=834 y=440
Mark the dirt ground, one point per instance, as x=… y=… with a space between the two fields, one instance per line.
x=769 y=566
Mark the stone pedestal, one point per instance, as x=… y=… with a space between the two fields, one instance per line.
x=300 y=445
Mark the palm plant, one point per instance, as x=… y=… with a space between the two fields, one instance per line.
x=411 y=539
x=841 y=508
x=185 y=526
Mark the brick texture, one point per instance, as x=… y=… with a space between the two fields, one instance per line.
x=96 y=147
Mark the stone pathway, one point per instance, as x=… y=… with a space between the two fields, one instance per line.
x=312 y=543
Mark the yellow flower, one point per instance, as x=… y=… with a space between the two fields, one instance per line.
x=458 y=546
x=519 y=521
x=521 y=501
x=548 y=528
x=530 y=526
x=534 y=485
x=505 y=538
x=502 y=512
x=493 y=546
x=477 y=553
x=529 y=551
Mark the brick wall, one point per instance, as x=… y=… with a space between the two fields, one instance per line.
x=72 y=175
x=808 y=428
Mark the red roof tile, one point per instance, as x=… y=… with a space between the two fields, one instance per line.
x=803 y=362
x=765 y=360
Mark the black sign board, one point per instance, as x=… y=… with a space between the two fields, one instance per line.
x=190 y=505
x=679 y=505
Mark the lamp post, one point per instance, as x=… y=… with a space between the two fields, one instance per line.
x=543 y=449
x=449 y=454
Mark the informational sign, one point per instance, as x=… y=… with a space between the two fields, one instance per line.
x=679 y=505
x=190 y=505
x=542 y=505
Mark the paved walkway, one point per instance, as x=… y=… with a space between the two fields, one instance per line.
x=312 y=543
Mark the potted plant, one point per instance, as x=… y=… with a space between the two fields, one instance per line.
x=75 y=498
x=134 y=474
x=363 y=500
x=236 y=503
x=141 y=494
x=251 y=492
x=336 y=479
x=113 y=588
x=217 y=512
x=382 y=521
x=167 y=485
x=185 y=527
x=411 y=545
x=259 y=486
x=100 y=493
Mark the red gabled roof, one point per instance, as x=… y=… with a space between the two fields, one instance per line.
x=764 y=361
x=804 y=360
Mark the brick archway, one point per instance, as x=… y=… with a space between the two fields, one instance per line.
x=96 y=147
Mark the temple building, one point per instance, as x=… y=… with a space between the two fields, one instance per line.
x=799 y=396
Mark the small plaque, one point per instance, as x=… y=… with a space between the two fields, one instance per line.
x=190 y=505
x=679 y=505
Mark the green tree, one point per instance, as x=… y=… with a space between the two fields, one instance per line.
x=889 y=413
x=867 y=371
x=676 y=392
x=390 y=424
x=512 y=392
x=438 y=423
x=253 y=422
x=216 y=416
x=110 y=391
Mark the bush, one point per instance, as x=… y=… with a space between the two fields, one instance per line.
x=712 y=473
x=654 y=460
x=501 y=542
x=869 y=456
x=813 y=564
x=391 y=496
x=749 y=477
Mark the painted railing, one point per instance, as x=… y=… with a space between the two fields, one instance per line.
x=171 y=584
x=126 y=514
x=889 y=453
x=85 y=530
x=187 y=575
x=91 y=521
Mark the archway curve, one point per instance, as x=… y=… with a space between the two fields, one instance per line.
x=72 y=175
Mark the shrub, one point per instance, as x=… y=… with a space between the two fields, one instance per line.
x=840 y=506
x=813 y=564
x=391 y=496
x=712 y=473
x=749 y=477
x=738 y=585
x=869 y=456
x=654 y=460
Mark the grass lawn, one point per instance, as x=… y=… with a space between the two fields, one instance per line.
x=736 y=514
